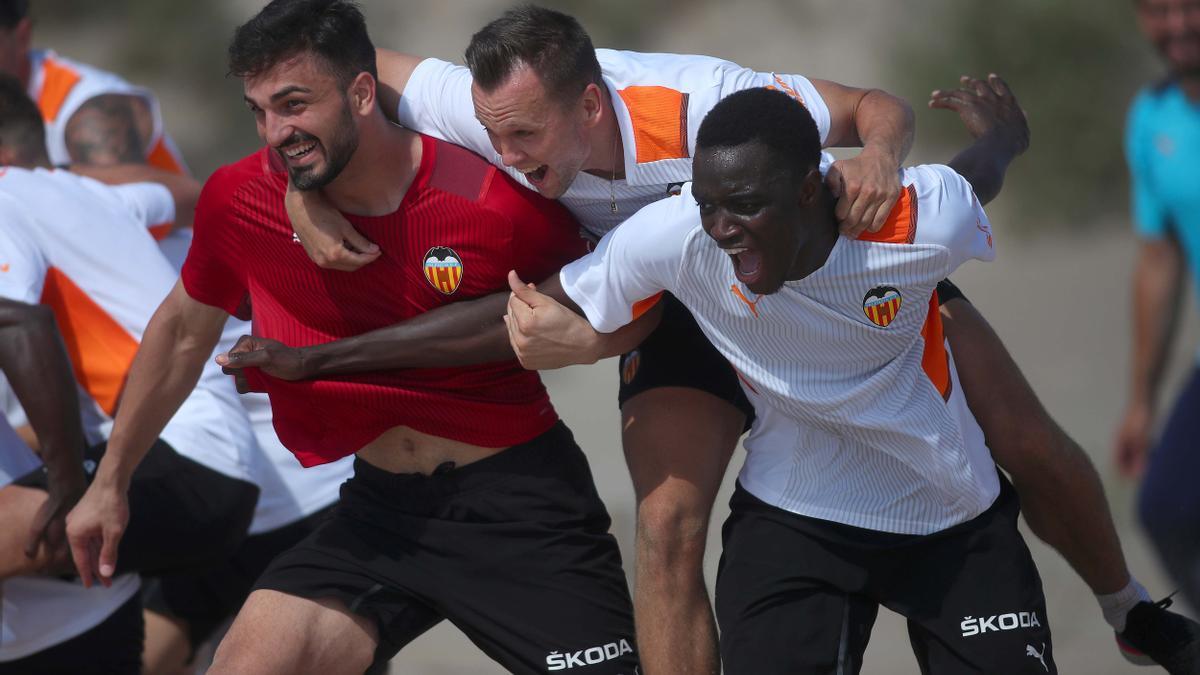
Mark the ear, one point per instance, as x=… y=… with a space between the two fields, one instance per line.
x=362 y=93
x=591 y=105
x=811 y=186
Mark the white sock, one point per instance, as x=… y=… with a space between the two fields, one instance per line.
x=1116 y=606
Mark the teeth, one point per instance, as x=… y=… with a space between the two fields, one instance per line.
x=735 y=251
x=300 y=150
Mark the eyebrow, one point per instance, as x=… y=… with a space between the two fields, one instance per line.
x=286 y=91
x=292 y=89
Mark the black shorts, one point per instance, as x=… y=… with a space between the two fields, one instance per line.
x=182 y=514
x=513 y=549
x=800 y=595
x=111 y=647
x=204 y=599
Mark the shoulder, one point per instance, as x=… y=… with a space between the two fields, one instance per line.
x=37 y=187
x=928 y=192
x=79 y=83
x=940 y=192
x=456 y=170
x=671 y=221
x=434 y=68
x=1149 y=102
x=678 y=71
x=461 y=172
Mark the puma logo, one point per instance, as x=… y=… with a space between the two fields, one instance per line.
x=1030 y=651
x=753 y=305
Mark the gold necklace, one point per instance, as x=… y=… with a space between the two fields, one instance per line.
x=612 y=176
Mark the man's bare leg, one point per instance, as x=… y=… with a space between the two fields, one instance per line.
x=19 y=506
x=280 y=633
x=167 y=648
x=678 y=442
x=1061 y=495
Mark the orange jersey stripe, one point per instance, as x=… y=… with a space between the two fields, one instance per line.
x=787 y=89
x=901 y=224
x=659 y=118
x=935 y=360
x=161 y=157
x=57 y=82
x=160 y=231
x=642 y=306
x=101 y=350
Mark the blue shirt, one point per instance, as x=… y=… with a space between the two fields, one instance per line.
x=1162 y=144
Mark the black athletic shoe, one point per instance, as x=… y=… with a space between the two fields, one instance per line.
x=1154 y=636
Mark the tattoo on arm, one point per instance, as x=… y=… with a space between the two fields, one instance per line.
x=109 y=129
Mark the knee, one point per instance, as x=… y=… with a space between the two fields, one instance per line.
x=672 y=533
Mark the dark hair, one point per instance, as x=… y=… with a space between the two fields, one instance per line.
x=12 y=11
x=768 y=116
x=332 y=29
x=553 y=44
x=21 y=124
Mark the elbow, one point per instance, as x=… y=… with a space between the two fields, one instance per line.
x=878 y=100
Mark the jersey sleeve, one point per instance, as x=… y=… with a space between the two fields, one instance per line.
x=213 y=272
x=436 y=102
x=633 y=263
x=796 y=86
x=1149 y=213
x=23 y=266
x=151 y=203
x=950 y=215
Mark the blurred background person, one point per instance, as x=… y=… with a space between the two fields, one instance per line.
x=1162 y=143
x=95 y=118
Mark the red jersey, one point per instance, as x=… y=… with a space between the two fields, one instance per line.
x=459 y=229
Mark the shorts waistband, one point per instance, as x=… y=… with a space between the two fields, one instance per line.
x=1006 y=504
x=448 y=479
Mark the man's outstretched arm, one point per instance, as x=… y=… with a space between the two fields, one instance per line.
x=34 y=359
x=995 y=120
x=459 y=334
x=180 y=337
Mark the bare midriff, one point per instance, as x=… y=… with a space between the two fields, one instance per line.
x=406 y=450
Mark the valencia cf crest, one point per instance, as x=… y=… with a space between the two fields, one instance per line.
x=881 y=304
x=443 y=269
x=630 y=367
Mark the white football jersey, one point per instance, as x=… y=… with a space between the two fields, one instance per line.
x=83 y=249
x=659 y=99
x=859 y=419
